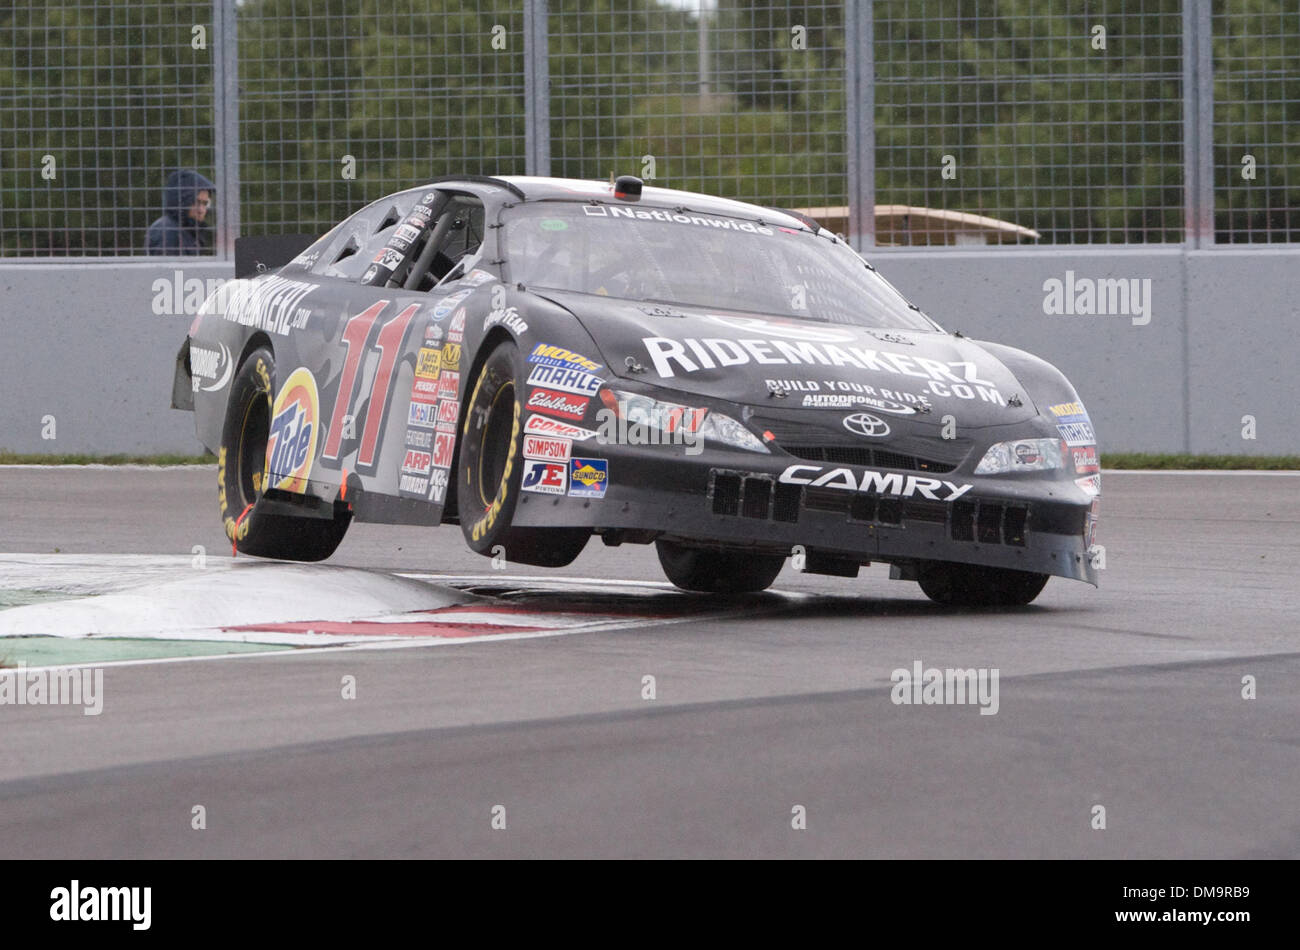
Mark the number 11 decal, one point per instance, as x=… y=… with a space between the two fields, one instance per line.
x=389 y=345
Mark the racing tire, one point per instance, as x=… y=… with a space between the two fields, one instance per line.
x=718 y=572
x=490 y=468
x=241 y=476
x=972 y=585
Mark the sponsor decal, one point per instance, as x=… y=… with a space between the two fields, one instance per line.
x=508 y=318
x=447 y=304
x=865 y=424
x=545 y=447
x=1068 y=410
x=413 y=485
x=306 y=259
x=541 y=425
x=270 y=304
x=457 y=324
x=432 y=334
x=548 y=355
x=873 y=483
x=1090 y=484
x=477 y=278
x=1026 y=454
x=448 y=412
x=371 y=273
x=215 y=365
x=417 y=462
x=547 y=478
x=388 y=258
x=438 y=485
x=959 y=378
x=1103 y=297
x=407 y=233
x=428 y=362
x=836 y=401
x=424 y=387
x=1090 y=531
x=291 y=444
x=557 y=404
x=588 y=478
x=850 y=394
x=444 y=443
x=1077 y=433
x=658 y=214
x=448 y=385
x=1085 y=459
x=418 y=440
x=451 y=356
x=422 y=414
x=568 y=380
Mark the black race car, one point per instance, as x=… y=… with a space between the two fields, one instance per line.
x=541 y=360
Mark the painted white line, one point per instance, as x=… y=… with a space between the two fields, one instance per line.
x=1257 y=472
x=99 y=467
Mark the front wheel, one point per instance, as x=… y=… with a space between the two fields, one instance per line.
x=971 y=585
x=489 y=471
x=717 y=572
x=242 y=476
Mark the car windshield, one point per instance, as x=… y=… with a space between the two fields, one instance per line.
x=698 y=259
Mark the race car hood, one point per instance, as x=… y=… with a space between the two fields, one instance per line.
x=745 y=358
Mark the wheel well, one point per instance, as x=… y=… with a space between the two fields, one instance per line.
x=451 y=510
x=258 y=339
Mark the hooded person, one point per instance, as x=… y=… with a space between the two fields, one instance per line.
x=183 y=228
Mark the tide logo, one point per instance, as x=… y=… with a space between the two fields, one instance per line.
x=291 y=445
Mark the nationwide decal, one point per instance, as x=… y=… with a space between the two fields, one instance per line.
x=568 y=380
x=960 y=378
x=1085 y=459
x=444 y=443
x=786 y=329
x=557 y=404
x=451 y=356
x=508 y=318
x=438 y=485
x=873 y=483
x=548 y=355
x=428 y=362
x=417 y=462
x=656 y=214
x=291 y=444
x=418 y=440
x=547 y=478
x=865 y=424
x=446 y=305
x=422 y=414
x=270 y=304
x=210 y=364
x=588 y=478
x=541 y=425
x=448 y=385
x=545 y=447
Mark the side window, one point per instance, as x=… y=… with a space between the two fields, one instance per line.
x=452 y=245
x=362 y=238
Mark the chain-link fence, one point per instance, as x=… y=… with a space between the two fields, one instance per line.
x=899 y=121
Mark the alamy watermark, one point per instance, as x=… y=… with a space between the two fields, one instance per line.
x=53 y=686
x=947 y=687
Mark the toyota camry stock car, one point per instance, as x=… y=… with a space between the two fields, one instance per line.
x=540 y=360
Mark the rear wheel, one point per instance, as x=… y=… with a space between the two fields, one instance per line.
x=971 y=585
x=489 y=471
x=241 y=476
x=718 y=572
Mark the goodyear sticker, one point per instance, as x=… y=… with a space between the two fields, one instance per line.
x=588 y=478
x=291 y=445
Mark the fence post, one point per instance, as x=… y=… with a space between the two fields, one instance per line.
x=859 y=79
x=225 y=137
x=537 y=89
x=1198 y=125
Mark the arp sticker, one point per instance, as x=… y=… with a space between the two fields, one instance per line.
x=416 y=462
x=588 y=478
x=291 y=444
x=547 y=478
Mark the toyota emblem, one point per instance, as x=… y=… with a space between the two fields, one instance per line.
x=864 y=423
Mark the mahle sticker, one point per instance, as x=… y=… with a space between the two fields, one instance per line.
x=291 y=445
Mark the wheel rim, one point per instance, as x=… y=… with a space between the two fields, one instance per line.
x=253 y=435
x=494 y=449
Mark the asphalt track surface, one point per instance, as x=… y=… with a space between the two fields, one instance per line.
x=1128 y=697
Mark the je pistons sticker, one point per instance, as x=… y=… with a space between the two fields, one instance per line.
x=588 y=478
x=291 y=444
x=547 y=478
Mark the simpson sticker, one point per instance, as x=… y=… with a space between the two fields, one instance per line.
x=588 y=478
x=428 y=362
x=291 y=444
x=451 y=356
x=541 y=425
x=508 y=318
x=446 y=305
x=448 y=385
x=547 y=478
x=873 y=483
x=557 y=404
x=422 y=414
x=444 y=443
x=545 y=447
x=548 y=355
x=568 y=380
x=417 y=462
